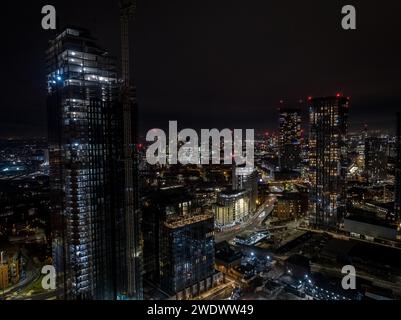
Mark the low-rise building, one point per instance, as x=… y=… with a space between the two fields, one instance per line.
x=232 y=207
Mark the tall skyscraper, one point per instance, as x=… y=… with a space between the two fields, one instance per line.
x=328 y=160
x=290 y=139
x=86 y=144
x=398 y=170
x=376 y=150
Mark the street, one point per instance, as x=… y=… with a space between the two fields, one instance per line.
x=251 y=225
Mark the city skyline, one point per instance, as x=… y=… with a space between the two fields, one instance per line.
x=305 y=206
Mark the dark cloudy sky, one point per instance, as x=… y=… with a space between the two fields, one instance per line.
x=218 y=63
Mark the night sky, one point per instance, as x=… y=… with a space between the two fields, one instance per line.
x=217 y=63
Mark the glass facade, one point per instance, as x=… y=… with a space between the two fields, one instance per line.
x=90 y=234
x=186 y=251
x=178 y=240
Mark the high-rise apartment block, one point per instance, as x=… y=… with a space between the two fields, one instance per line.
x=91 y=235
x=328 y=160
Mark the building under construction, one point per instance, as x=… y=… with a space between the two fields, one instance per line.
x=93 y=167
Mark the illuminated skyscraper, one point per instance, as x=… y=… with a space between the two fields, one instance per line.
x=398 y=170
x=290 y=139
x=90 y=232
x=327 y=160
x=376 y=150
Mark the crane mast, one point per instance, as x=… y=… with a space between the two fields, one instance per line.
x=131 y=198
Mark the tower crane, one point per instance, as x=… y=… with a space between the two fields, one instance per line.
x=131 y=196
